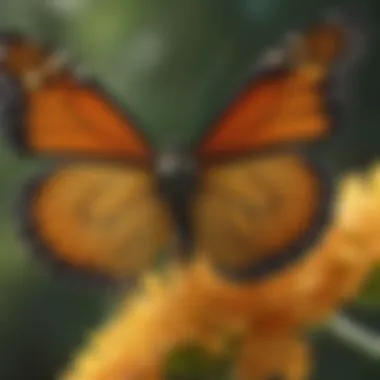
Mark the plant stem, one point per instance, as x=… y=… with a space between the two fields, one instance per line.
x=355 y=335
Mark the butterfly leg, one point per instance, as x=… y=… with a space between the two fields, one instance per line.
x=286 y=358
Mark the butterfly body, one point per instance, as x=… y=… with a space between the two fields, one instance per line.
x=177 y=179
x=244 y=195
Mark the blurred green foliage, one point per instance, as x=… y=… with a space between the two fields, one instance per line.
x=173 y=64
x=192 y=363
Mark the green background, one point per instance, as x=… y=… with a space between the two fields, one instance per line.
x=172 y=64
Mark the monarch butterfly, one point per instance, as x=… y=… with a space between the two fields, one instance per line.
x=245 y=196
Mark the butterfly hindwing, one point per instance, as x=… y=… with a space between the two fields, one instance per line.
x=55 y=113
x=96 y=218
x=256 y=215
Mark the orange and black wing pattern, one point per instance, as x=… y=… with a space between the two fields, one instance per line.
x=264 y=201
x=255 y=216
x=284 y=105
x=99 y=220
x=52 y=112
x=98 y=217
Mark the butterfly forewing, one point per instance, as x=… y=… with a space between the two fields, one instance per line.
x=285 y=105
x=99 y=218
x=283 y=108
x=58 y=114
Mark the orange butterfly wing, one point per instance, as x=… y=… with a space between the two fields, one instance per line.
x=261 y=212
x=284 y=106
x=250 y=217
x=61 y=115
x=97 y=219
